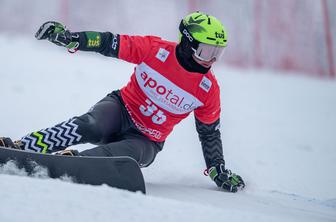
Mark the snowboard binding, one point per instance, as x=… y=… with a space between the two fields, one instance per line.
x=8 y=143
x=67 y=153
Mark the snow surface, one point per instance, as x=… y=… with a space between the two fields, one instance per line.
x=278 y=133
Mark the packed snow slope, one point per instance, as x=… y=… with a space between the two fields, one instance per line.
x=278 y=133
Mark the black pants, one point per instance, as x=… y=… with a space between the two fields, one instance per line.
x=107 y=125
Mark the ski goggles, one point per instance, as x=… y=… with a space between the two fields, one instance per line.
x=206 y=52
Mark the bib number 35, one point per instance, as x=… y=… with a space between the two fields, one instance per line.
x=152 y=110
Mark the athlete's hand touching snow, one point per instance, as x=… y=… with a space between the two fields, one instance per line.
x=225 y=179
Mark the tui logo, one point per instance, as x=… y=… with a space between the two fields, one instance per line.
x=94 y=42
x=220 y=35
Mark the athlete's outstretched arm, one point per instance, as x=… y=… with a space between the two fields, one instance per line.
x=104 y=43
x=129 y=48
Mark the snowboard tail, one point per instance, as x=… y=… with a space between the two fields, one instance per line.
x=119 y=172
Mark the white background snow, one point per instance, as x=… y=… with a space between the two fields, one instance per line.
x=278 y=133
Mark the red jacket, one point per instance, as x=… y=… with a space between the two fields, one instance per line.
x=161 y=92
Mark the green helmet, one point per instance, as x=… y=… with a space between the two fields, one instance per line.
x=203 y=36
x=204 y=29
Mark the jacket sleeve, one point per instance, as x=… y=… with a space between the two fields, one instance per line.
x=134 y=49
x=210 y=111
x=104 y=43
x=210 y=137
x=129 y=48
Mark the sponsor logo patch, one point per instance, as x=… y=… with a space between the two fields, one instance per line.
x=186 y=33
x=162 y=55
x=94 y=39
x=114 y=42
x=205 y=84
x=164 y=93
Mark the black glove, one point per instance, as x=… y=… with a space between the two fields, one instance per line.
x=225 y=179
x=57 y=33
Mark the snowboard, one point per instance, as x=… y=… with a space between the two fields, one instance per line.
x=119 y=172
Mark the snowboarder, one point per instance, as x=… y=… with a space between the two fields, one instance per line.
x=169 y=81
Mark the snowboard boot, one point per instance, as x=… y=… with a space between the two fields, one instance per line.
x=8 y=143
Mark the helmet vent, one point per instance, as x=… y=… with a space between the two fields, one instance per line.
x=198 y=16
x=209 y=22
x=211 y=38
